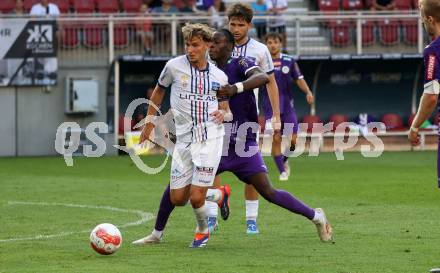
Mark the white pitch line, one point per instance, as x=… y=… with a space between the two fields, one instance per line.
x=144 y=217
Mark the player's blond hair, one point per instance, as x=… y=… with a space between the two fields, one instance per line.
x=431 y=8
x=202 y=31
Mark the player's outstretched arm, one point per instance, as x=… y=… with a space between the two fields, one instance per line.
x=156 y=99
x=272 y=92
x=255 y=78
x=304 y=87
x=426 y=107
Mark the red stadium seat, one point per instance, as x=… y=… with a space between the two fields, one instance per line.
x=415 y=4
x=393 y=122
x=63 y=5
x=410 y=31
x=84 y=6
x=328 y=5
x=388 y=32
x=70 y=35
x=131 y=5
x=403 y=4
x=108 y=6
x=28 y=4
x=121 y=35
x=352 y=5
x=340 y=32
x=310 y=120
x=410 y=119
x=337 y=119
x=368 y=33
x=93 y=35
x=6 y=6
x=368 y=4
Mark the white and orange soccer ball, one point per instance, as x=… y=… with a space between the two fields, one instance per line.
x=105 y=239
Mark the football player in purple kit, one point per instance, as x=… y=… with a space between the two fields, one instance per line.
x=244 y=76
x=430 y=13
x=240 y=23
x=287 y=72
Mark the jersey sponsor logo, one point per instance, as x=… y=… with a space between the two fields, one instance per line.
x=285 y=69
x=430 y=67
x=185 y=81
x=277 y=63
x=215 y=86
x=176 y=174
x=197 y=97
x=205 y=170
x=243 y=62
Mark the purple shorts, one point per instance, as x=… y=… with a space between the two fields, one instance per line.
x=242 y=167
x=287 y=117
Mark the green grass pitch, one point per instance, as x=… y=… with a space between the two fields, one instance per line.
x=384 y=211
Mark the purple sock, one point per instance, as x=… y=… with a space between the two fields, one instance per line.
x=165 y=209
x=289 y=202
x=279 y=162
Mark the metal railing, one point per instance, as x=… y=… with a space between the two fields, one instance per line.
x=99 y=38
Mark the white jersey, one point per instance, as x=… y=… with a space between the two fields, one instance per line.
x=256 y=51
x=193 y=98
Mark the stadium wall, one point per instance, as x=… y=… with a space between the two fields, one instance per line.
x=31 y=115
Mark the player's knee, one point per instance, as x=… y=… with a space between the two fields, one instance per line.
x=267 y=192
x=277 y=138
x=197 y=199
x=197 y=202
x=178 y=200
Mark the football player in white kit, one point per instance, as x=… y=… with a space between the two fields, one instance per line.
x=199 y=131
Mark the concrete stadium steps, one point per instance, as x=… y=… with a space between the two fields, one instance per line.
x=310 y=50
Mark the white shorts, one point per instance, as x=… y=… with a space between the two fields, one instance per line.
x=195 y=163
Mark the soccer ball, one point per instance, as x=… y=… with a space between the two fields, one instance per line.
x=105 y=239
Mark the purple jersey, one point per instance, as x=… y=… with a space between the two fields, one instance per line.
x=243 y=106
x=204 y=4
x=286 y=70
x=431 y=57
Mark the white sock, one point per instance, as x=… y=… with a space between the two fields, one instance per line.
x=214 y=195
x=202 y=223
x=251 y=210
x=211 y=209
x=318 y=218
x=157 y=233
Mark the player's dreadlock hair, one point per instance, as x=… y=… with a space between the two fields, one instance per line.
x=431 y=8
x=240 y=10
x=273 y=35
x=202 y=31
x=229 y=37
